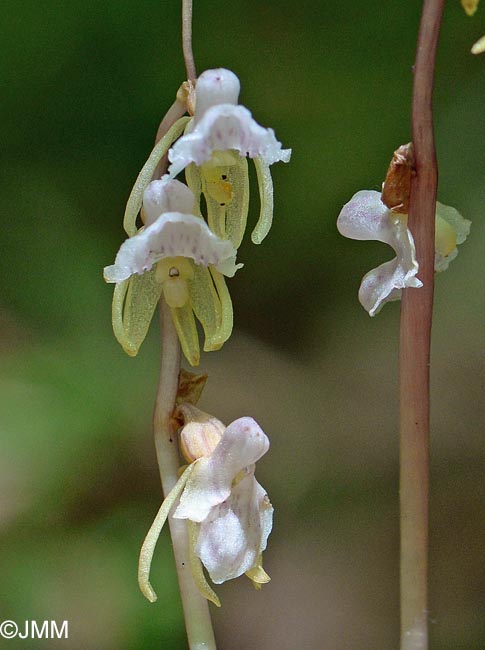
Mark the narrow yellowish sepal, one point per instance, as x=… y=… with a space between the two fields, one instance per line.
x=206 y=303
x=117 y=318
x=148 y=547
x=135 y=199
x=258 y=575
x=225 y=329
x=184 y=321
x=134 y=302
x=265 y=185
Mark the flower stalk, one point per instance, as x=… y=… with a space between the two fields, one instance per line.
x=415 y=339
x=187 y=40
x=198 y=624
x=196 y=611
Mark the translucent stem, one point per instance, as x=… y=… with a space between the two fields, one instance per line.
x=196 y=610
x=416 y=319
x=187 y=40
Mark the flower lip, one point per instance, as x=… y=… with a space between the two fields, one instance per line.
x=365 y=217
x=173 y=234
x=221 y=128
x=235 y=533
x=219 y=86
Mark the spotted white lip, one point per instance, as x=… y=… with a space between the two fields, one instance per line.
x=173 y=234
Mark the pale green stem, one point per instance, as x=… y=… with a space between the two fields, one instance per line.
x=187 y=40
x=416 y=319
x=196 y=610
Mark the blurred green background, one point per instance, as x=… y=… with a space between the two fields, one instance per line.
x=84 y=86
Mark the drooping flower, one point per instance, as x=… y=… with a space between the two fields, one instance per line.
x=213 y=153
x=365 y=217
x=228 y=512
x=177 y=255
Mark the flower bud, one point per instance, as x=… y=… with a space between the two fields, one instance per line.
x=200 y=434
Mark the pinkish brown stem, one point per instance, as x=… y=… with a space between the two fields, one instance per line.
x=416 y=319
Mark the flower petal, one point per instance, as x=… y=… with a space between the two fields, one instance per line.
x=145 y=176
x=235 y=533
x=365 y=217
x=226 y=193
x=184 y=321
x=221 y=128
x=225 y=329
x=384 y=284
x=242 y=444
x=205 y=302
x=451 y=229
x=173 y=234
x=265 y=185
x=134 y=302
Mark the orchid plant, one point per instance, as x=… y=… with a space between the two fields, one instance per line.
x=177 y=255
x=179 y=251
x=424 y=235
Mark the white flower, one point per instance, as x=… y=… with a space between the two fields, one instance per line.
x=230 y=506
x=227 y=509
x=365 y=217
x=221 y=125
x=213 y=154
x=175 y=254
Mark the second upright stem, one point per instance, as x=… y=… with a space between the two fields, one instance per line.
x=415 y=341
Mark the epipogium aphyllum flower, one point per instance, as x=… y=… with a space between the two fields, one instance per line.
x=228 y=513
x=177 y=255
x=365 y=217
x=213 y=151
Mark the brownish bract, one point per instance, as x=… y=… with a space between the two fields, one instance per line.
x=397 y=186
